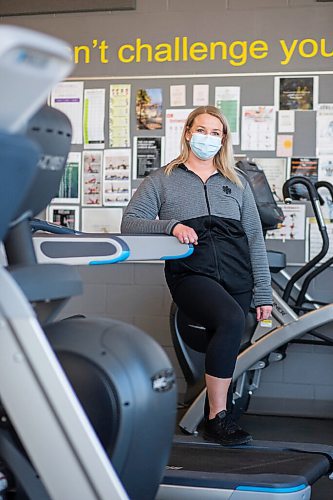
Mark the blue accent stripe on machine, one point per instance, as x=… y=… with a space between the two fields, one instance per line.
x=187 y=254
x=123 y=256
x=272 y=490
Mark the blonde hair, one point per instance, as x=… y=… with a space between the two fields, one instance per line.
x=224 y=158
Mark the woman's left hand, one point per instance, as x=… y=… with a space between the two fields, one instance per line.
x=263 y=312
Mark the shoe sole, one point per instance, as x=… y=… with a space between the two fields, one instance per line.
x=224 y=443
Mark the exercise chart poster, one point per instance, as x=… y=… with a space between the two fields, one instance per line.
x=116 y=177
x=293 y=225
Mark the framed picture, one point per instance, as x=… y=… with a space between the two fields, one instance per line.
x=62 y=215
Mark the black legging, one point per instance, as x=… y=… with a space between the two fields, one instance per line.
x=223 y=315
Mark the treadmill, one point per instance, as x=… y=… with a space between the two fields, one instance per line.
x=198 y=469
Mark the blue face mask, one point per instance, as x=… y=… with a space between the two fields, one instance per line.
x=205 y=146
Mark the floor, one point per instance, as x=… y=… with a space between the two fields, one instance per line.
x=294 y=429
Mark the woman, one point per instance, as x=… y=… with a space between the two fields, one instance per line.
x=201 y=199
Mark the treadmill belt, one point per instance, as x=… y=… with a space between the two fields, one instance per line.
x=245 y=465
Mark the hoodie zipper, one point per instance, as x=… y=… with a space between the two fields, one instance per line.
x=210 y=233
x=210 y=218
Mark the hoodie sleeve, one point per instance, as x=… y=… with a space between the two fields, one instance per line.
x=140 y=216
x=252 y=226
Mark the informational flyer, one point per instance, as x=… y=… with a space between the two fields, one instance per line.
x=325 y=173
x=177 y=95
x=92 y=178
x=101 y=220
x=296 y=93
x=276 y=171
x=258 y=128
x=200 y=95
x=69 y=189
x=306 y=167
x=66 y=216
x=175 y=120
x=293 y=226
x=116 y=177
x=284 y=145
x=314 y=240
x=324 y=133
x=149 y=105
x=148 y=155
x=68 y=98
x=119 y=116
x=227 y=99
x=286 y=121
x=93 y=119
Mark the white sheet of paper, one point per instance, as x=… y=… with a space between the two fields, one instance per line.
x=284 y=145
x=116 y=177
x=258 y=128
x=324 y=129
x=275 y=170
x=92 y=178
x=293 y=226
x=286 y=121
x=101 y=220
x=314 y=240
x=177 y=95
x=93 y=118
x=174 y=123
x=200 y=95
x=68 y=98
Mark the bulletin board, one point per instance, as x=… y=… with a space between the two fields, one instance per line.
x=177 y=94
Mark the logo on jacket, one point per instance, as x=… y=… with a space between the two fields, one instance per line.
x=226 y=189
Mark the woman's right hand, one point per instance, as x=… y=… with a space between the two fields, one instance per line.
x=185 y=234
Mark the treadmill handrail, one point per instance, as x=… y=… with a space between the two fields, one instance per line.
x=139 y=247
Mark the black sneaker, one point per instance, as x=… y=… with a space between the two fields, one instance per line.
x=224 y=430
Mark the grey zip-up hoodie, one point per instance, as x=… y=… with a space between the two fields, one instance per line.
x=231 y=247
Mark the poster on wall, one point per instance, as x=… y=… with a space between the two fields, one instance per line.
x=286 y=121
x=296 y=93
x=200 y=95
x=148 y=155
x=177 y=95
x=293 y=225
x=314 y=241
x=116 y=177
x=93 y=118
x=284 y=145
x=68 y=98
x=325 y=173
x=324 y=135
x=275 y=170
x=258 y=128
x=148 y=106
x=175 y=120
x=92 y=178
x=69 y=189
x=306 y=167
x=119 y=115
x=101 y=220
x=227 y=99
x=67 y=216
